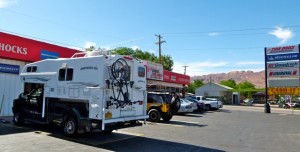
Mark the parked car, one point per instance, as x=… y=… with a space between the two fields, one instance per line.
x=289 y=105
x=220 y=103
x=185 y=107
x=297 y=104
x=159 y=105
x=200 y=104
x=248 y=101
x=208 y=104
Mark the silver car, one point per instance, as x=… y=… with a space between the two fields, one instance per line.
x=186 y=106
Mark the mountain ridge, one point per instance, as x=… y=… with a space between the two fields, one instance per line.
x=256 y=78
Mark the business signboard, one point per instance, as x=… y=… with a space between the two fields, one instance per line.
x=154 y=70
x=24 y=49
x=283 y=65
x=283 y=73
x=283 y=49
x=8 y=68
x=176 y=78
x=283 y=57
x=284 y=91
x=283 y=82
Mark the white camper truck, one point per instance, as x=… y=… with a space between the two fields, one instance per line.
x=88 y=91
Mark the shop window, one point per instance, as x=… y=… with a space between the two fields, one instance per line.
x=65 y=74
x=31 y=69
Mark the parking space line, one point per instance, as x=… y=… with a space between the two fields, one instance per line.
x=164 y=124
x=193 y=122
x=133 y=135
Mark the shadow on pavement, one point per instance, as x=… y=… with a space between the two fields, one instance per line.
x=182 y=123
x=7 y=128
x=118 y=141
x=223 y=110
x=149 y=144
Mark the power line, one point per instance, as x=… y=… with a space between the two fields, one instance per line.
x=232 y=30
x=197 y=49
x=58 y=24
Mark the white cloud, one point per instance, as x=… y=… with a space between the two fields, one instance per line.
x=213 y=34
x=250 y=63
x=209 y=67
x=106 y=47
x=199 y=68
x=283 y=34
x=89 y=44
x=135 y=47
x=7 y=3
x=152 y=51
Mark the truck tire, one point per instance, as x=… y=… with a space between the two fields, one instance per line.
x=106 y=132
x=18 y=119
x=70 y=126
x=207 y=107
x=175 y=106
x=167 y=118
x=154 y=115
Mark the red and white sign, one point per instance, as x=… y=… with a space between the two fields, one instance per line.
x=282 y=65
x=283 y=49
x=154 y=70
x=24 y=49
x=283 y=73
x=176 y=78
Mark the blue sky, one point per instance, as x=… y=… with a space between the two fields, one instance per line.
x=209 y=36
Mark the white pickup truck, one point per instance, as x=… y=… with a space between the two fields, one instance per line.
x=208 y=104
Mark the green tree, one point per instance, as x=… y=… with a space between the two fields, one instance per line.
x=245 y=85
x=167 y=62
x=91 y=48
x=245 y=88
x=230 y=83
x=194 y=85
x=123 y=51
x=144 y=55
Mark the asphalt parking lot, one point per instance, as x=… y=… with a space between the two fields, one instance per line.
x=233 y=128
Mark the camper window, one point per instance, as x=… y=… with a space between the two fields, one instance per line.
x=141 y=71
x=65 y=74
x=31 y=69
x=69 y=75
x=62 y=73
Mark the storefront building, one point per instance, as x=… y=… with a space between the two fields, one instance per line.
x=163 y=80
x=15 y=52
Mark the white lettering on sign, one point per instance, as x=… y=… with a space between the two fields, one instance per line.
x=293 y=64
x=283 y=73
x=13 y=49
x=283 y=49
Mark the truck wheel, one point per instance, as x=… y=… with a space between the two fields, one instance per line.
x=207 y=107
x=18 y=119
x=167 y=118
x=70 y=126
x=154 y=115
x=106 y=132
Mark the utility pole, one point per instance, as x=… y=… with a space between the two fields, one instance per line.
x=185 y=68
x=159 y=47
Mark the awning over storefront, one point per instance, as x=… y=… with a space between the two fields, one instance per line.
x=165 y=84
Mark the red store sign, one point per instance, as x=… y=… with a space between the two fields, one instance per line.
x=24 y=49
x=176 y=78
